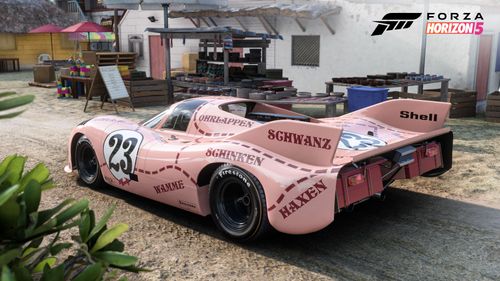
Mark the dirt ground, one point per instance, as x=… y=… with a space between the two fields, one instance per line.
x=444 y=228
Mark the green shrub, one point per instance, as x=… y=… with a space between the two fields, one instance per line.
x=30 y=244
x=13 y=102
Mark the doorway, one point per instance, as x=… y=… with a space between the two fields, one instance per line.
x=483 y=66
x=156 y=56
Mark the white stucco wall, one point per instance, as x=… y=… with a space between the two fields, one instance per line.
x=135 y=22
x=351 y=51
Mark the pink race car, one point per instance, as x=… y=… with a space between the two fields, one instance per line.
x=253 y=166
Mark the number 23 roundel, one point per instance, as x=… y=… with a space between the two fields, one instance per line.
x=120 y=152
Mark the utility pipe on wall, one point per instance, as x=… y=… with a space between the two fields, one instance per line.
x=423 y=45
x=170 y=88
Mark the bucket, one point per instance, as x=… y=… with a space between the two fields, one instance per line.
x=360 y=97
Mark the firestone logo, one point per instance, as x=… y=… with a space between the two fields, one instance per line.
x=437 y=23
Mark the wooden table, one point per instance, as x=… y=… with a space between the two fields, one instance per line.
x=87 y=81
x=329 y=102
x=4 y=64
x=402 y=83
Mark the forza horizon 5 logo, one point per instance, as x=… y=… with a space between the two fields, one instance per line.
x=437 y=23
x=395 y=21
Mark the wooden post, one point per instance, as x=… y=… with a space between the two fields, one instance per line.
x=115 y=29
x=226 y=67
x=170 y=88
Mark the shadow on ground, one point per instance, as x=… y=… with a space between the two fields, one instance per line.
x=409 y=236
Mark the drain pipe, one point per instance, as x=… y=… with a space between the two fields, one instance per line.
x=170 y=88
x=423 y=45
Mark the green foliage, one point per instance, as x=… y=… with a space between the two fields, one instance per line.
x=8 y=102
x=30 y=246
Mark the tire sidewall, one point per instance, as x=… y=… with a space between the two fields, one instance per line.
x=258 y=203
x=82 y=142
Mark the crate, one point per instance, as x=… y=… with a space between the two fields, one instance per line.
x=148 y=92
x=43 y=73
x=116 y=58
x=463 y=102
x=493 y=107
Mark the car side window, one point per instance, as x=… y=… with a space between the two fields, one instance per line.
x=239 y=109
x=181 y=116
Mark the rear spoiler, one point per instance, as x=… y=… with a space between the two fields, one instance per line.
x=408 y=114
x=307 y=143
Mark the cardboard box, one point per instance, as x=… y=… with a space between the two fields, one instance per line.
x=89 y=57
x=44 y=73
x=189 y=61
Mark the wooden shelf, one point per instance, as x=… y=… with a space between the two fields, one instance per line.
x=230 y=61
x=111 y=58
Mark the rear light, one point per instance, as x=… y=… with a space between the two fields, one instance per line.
x=355 y=179
x=431 y=151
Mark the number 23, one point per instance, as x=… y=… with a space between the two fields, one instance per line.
x=116 y=142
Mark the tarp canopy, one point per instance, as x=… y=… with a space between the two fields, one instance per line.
x=93 y=36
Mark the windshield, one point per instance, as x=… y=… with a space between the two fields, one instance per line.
x=152 y=122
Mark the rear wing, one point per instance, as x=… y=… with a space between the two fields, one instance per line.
x=408 y=114
x=307 y=143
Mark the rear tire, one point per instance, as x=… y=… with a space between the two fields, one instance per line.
x=87 y=163
x=238 y=203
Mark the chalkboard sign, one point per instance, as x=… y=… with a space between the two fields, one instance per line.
x=108 y=84
x=114 y=82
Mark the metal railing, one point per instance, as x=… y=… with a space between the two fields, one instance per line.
x=73 y=7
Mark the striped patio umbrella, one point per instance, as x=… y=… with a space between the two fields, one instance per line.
x=86 y=27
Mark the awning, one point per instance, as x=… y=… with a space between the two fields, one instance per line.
x=209 y=33
x=93 y=37
x=305 y=11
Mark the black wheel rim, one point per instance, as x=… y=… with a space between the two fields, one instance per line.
x=87 y=163
x=235 y=206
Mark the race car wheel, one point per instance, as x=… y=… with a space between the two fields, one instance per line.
x=238 y=203
x=87 y=163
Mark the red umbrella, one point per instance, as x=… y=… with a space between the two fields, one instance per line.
x=49 y=28
x=86 y=26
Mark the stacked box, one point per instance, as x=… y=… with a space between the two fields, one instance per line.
x=463 y=102
x=147 y=92
x=189 y=62
x=493 y=107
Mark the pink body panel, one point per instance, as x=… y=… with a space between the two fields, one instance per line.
x=297 y=163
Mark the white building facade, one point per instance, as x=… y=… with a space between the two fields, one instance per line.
x=351 y=50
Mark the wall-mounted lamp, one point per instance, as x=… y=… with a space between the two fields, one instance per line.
x=152 y=19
